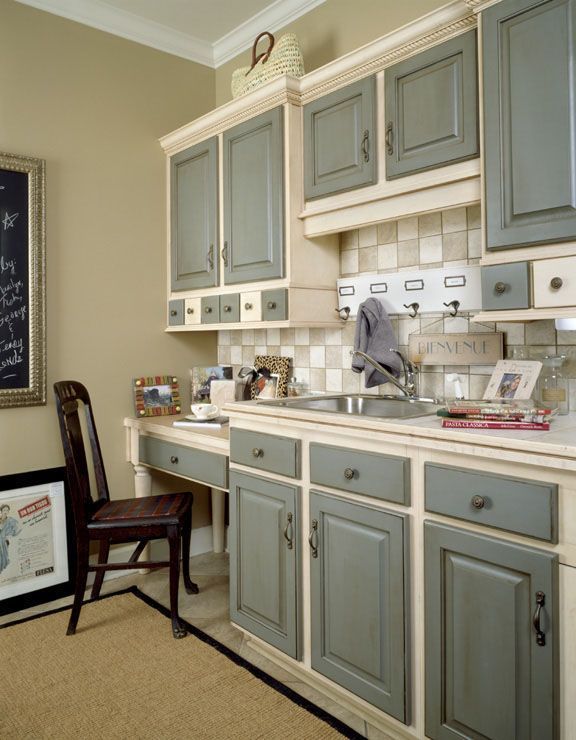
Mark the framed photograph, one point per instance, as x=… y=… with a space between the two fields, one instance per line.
x=22 y=281
x=37 y=561
x=157 y=395
x=266 y=386
x=278 y=367
x=513 y=380
x=201 y=379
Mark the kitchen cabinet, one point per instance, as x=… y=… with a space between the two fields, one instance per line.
x=431 y=108
x=359 y=588
x=491 y=637
x=339 y=140
x=529 y=92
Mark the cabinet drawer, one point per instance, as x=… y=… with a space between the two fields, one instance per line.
x=210 y=308
x=274 y=305
x=205 y=467
x=251 y=306
x=192 y=311
x=514 y=504
x=176 y=312
x=554 y=282
x=506 y=286
x=266 y=452
x=382 y=476
x=230 y=308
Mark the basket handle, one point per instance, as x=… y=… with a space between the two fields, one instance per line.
x=265 y=54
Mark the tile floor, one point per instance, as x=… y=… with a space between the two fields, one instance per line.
x=209 y=612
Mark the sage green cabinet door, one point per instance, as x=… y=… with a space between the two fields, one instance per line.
x=264 y=546
x=340 y=140
x=529 y=122
x=193 y=217
x=487 y=676
x=359 y=588
x=254 y=200
x=432 y=108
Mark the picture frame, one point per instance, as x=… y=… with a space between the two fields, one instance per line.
x=201 y=379
x=22 y=281
x=156 y=395
x=276 y=366
x=513 y=380
x=266 y=386
x=37 y=559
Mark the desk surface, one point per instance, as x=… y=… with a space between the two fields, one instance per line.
x=211 y=440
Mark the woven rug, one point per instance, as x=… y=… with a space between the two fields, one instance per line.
x=123 y=675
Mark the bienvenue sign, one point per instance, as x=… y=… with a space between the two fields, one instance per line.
x=456 y=349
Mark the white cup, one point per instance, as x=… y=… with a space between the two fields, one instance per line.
x=204 y=410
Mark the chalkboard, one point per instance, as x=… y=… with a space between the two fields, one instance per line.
x=22 y=290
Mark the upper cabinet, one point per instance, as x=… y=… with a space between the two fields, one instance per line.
x=529 y=122
x=339 y=140
x=431 y=105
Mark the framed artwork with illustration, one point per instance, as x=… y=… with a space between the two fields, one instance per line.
x=513 y=380
x=274 y=382
x=156 y=395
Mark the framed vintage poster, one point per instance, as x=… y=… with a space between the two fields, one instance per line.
x=22 y=282
x=37 y=560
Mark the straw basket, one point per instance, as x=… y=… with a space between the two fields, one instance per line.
x=281 y=58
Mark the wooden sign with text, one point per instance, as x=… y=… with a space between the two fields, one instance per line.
x=456 y=349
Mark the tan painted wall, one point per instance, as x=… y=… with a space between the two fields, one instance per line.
x=93 y=106
x=335 y=28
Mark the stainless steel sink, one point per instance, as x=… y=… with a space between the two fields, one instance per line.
x=385 y=407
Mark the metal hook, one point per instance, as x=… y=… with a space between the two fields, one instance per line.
x=453 y=306
x=412 y=309
x=345 y=310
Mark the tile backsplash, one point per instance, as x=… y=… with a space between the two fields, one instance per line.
x=322 y=357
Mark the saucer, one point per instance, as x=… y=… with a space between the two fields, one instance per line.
x=207 y=417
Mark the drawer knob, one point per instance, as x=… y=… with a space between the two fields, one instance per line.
x=478 y=502
x=208 y=309
x=173 y=312
x=248 y=306
x=500 y=288
x=173 y=459
x=349 y=473
x=227 y=309
x=556 y=283
x=189 y=310
x=258 y=452
x=271 y=305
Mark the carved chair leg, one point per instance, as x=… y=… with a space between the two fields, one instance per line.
x=80 y=587
x=102 y=558
x=178 y=629
x=190 y=586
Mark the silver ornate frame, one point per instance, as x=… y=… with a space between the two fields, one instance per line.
x=35 y=393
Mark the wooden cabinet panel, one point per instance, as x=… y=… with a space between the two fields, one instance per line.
x=266 y=452
x=554 y=282
x=506 y=286
x=275 y=305
x=198 y=465
x=230 y=308
x=176 y=312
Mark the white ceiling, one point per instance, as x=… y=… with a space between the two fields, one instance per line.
x=206 y=31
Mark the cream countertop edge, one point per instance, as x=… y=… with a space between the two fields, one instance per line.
x=212 y=440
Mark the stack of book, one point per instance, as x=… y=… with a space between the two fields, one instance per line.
x=495 y=415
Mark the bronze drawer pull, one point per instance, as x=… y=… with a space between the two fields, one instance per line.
x=500 y=288
x=208 y=309
x=556 y=283
x=258 y=452
x=288 y=537
x=478 y=502
x=173 y=459
x=389 y=135
x=173 y=312
x=313 y=538
x=227 y=308
x=349 y=473
x=540 y=636
x=224 y=254
x=190 y=310
x=365 y=146
x=210 y=256
x=248 y=306
x=271 y=305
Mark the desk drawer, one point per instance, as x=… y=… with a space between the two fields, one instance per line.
x=266 y=452
x=382 y=476
x=206 y=467
x=514 y=504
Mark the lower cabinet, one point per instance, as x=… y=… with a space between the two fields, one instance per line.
x=491 y=637
x=359 y=585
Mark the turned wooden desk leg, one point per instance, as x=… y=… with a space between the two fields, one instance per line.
x=143 y=487
x=218 y=500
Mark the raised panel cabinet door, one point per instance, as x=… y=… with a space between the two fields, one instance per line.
x=359 y=587
x=340 y=140
x=491 y=613
x=529 y=122
x=254 y=200
x=263 y=559
x=193 y=217
x=432 y=108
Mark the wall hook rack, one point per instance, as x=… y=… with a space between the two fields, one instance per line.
x=453 y=307
x=412 y=309
x=343 y=312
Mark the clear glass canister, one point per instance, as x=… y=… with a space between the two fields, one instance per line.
x=553 y=386
x=296 y=387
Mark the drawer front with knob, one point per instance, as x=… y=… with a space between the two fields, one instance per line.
x=230 y=308
x=554 y=282
x=275 y=305
x=266 y=452
x=176 y=312
x=206 y=467
x=192 y=311
x=506 y=286
x=251 y=306
x=514 y=504
x=210 y=309
x=381 y=476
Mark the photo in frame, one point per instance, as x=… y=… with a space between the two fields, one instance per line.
x=266 y=386
x=37 y=560
x=201 y=379
x=276 y=366
x=156 y=395
x=513 y=380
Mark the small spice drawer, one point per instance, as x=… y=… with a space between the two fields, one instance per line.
x=230 y=308
x=176 y=312
x=210 y=307
x=506 y=286
x=381 y=476
x=206 y=467
x=554 y=282
x=513 y=504
x=251 y=306
x=265 y=452
x=275 y=305
x=192 y=311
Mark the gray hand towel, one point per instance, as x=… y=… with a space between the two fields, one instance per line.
x=375 y=337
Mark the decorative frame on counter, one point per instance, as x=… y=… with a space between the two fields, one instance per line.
x=156 y=395
x=22 y=281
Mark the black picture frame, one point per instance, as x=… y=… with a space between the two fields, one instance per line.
x=20 y=482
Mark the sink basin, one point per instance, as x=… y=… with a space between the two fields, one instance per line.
x=385 y=407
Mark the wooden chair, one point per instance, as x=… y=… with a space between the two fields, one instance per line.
x=128 y=520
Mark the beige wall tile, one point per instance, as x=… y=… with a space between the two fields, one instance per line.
x=349 y=262
x=478 y=385
x=349 y=239
x=224 y=337
x=302 y=336
x=247 y=354
x=368 y=259
x=302 y=356
x=317 y=336
x=388 y=257
x=236 y=355
x=248 y=336
x=473 y=216
x=334 y=357
x=317 y=379
x=367 y=236
x=429 y=224
x=286 y=336
x=387 y=232
x=474 y=243
x=333 y=336
x=287 y=350
x=350 y=381
x=431 y=249
x=407 y=229
x=260 y=336
x=334 y=381
x=513 y=332
x=408 y=253
x=224 y=355
x=317 y=356
x=454 y=220
x=455 y=246
x=347 y=350
x=272 y=336
x=540 y=332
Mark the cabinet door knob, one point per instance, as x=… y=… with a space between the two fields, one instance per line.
x=349 y=473
x=248 y=306
x=208 y=309
x=389 y=137
x=173 y=459
x=190 y=310
x=258 y=452
x=556 y=283
x=271 y=305
x=500 y=288
x=227 y=308
x=478 y=502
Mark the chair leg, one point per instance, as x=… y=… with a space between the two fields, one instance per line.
x=80 y=587
x=178 y=629
x=102 y=558
x=190 y=586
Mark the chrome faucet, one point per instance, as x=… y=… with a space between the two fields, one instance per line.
x=410 y=385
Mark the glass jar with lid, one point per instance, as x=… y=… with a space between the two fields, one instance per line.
x=296 y=388
x=552 y=385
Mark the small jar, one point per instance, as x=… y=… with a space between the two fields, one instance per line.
x=296 y=388
x=552 y=385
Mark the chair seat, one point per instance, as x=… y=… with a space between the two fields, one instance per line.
x=165 y=509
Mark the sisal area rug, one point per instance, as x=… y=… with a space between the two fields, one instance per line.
x=123 y=675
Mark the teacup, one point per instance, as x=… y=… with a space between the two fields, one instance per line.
x=204 y=410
